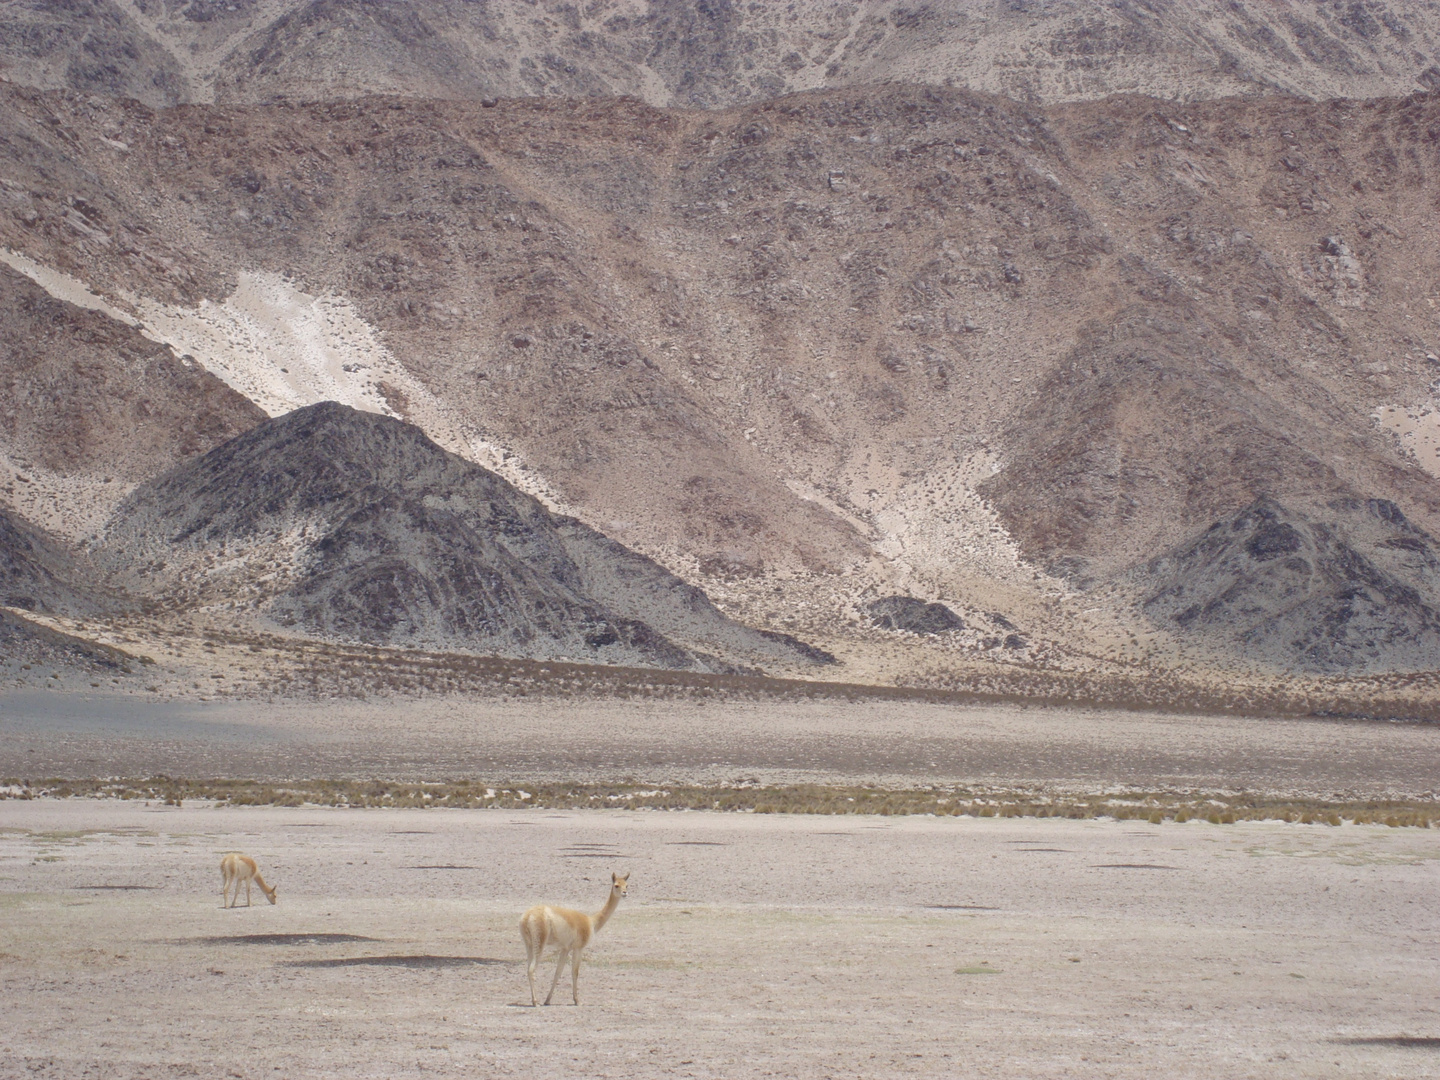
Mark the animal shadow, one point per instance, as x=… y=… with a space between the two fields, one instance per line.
x=421 y=962
x=276 y=939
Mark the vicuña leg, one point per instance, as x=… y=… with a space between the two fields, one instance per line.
x=575 y=975
x=559 y=967
x=532 y=931
x=532 y=957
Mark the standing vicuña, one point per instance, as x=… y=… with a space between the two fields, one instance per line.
x=235 y=868
x=569 y=930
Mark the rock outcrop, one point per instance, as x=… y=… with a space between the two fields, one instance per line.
x=913 y=616
x=1354 y=590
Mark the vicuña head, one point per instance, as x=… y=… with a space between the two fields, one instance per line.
x=236 y=868
x=569 y=931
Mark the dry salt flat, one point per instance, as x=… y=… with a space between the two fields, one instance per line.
x=749 y=945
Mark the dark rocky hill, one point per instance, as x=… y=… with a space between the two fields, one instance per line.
x=27 y=646
x=1358 y=590
x=356 y=526
x=913 y=616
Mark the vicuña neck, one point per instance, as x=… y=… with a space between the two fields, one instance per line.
x=607 y=910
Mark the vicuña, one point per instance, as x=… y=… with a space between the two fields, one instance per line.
x=570 y=931
x=236 y=868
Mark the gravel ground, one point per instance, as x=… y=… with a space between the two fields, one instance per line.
x=750 y=945
x=890 y=744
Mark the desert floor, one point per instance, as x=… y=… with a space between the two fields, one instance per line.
x=750 y=945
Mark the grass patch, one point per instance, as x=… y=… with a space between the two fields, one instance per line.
x=977 y=969
x=1156 y=808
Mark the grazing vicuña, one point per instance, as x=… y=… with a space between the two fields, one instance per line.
x=236 y=868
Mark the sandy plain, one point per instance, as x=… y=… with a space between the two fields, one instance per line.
x=750 y=945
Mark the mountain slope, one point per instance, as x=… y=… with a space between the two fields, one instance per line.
x=89 y=407
x=1159 y=421
x=37 y=573
x=817 y=351
x=94 y=46
x=356 y=526
x=714 y=54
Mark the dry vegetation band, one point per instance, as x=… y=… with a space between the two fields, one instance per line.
x=1219 y=808
x=311 y=670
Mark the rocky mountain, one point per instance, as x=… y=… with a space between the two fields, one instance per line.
x=42 y=576
x=1359 y=591
x=846 y=360
x=29 y=647
x=715 y=53
x=810 y=353
x=356 y=527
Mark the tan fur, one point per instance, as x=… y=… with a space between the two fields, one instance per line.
x=569 y=931
x=236 y=868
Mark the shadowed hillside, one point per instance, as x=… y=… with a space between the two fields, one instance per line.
x=1358 y=591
